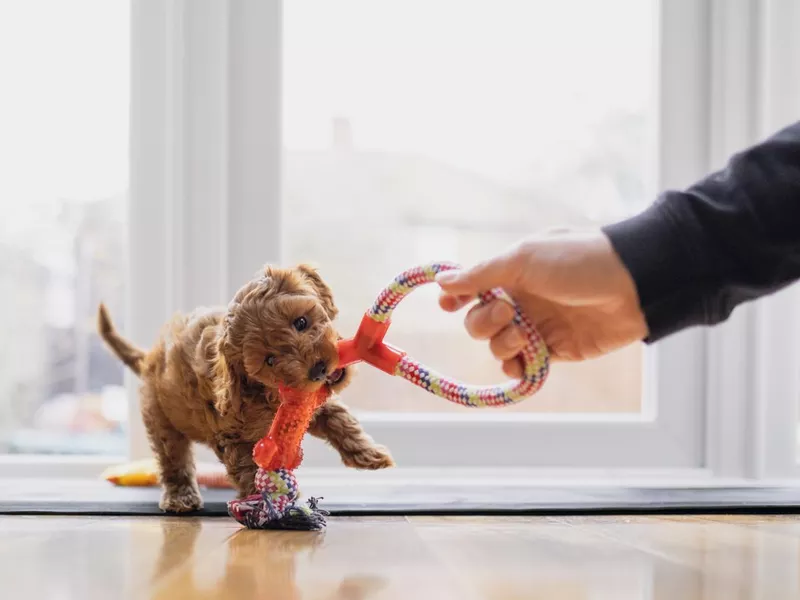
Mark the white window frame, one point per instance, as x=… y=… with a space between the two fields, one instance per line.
x=205 y=206
x=205 y=213
x=752 y=386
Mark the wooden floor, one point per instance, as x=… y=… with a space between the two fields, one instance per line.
x=608 y=558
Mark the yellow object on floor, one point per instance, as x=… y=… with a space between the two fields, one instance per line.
x=143 y=473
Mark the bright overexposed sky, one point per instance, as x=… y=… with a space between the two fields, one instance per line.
x=482 y=82
x=491 y=85
x=64 y=117
x=63 y=124
x=63 y=108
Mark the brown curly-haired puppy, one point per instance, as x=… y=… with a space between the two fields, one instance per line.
x=213 y=378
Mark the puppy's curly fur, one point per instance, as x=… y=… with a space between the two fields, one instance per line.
x=213 y=377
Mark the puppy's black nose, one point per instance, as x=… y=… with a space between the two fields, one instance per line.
x=318 y=372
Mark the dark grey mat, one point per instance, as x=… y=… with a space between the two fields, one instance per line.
x=99 y=498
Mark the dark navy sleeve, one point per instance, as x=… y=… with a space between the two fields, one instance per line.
x=697 y=254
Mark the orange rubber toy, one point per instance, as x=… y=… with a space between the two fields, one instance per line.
x=277 y=455
x=281 y=447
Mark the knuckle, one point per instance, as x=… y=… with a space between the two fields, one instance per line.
x=512 y=368
x=503 y=347
x=475 y=323
x=525 y=248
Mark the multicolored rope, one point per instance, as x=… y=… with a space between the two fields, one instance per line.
x=368 y=346
x=275 y=506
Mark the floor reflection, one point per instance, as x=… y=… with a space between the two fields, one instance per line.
x=257 y=564
x=436 y=558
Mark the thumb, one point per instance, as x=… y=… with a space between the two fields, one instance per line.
x=496 y=272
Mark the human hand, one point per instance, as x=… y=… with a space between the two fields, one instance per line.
x=572 y=286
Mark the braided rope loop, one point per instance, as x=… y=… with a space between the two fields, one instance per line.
x=535 y=356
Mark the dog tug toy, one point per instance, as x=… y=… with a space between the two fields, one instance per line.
x=368 y=346
x=277 y=455
x=280 y=452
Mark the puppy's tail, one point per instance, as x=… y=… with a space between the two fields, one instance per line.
x=127 y=352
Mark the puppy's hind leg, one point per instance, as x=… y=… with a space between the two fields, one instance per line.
x=335 y=424
x=173 y=452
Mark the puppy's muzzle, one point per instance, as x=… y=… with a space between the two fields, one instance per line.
x=319 y=371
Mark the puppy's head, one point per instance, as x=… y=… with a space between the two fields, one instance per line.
x=279 y=330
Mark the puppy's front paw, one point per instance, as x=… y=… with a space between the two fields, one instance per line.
x=371 y=458
x=180 y=500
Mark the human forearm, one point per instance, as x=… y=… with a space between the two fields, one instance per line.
x=734 y=236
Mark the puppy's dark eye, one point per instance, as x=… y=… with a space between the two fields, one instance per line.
x=301 y=324
x=270 y=360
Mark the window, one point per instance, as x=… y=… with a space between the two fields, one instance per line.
x=369 y=136
x=410 y=125
x=63 y=192
x=445 y=131
x=241 y=160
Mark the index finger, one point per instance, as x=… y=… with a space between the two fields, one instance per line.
x=500 y=271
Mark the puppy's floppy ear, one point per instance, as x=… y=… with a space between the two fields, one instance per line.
x=324 y=293
x=227 y=384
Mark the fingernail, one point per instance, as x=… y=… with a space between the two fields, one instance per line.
x=501 y=313
x=515 y=338
x=447 y=277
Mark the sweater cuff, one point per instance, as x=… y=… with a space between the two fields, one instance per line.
x=660 y=260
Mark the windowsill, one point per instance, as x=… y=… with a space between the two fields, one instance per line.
x=28 y=466
x=90 y=469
